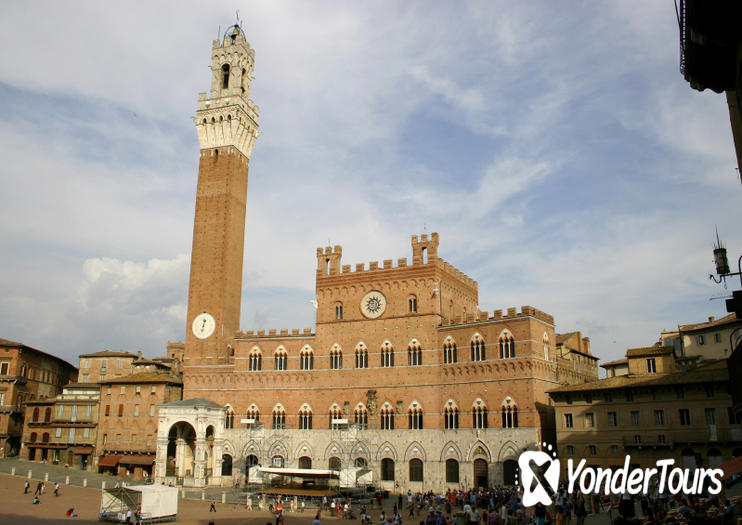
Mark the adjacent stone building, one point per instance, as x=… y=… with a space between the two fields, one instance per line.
x=655 y=410
x=127 y=427
x=26 y=374
x=404 y=375
x=62 y=430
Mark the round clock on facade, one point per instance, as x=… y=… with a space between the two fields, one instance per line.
x=203 y=325
x=373 y=304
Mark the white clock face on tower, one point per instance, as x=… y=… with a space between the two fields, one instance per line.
x=203 y=325
x=373 y=304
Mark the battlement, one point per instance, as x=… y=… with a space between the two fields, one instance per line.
x=274 y=333
x=424 y=251
x=498 y=315
x=461 y=276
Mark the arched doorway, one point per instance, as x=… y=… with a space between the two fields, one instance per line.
x=480 y=473
x=226 y=465
x=251 y=462
x=387 y=469
x=334 y=463
x=509 y=472
x=715 y=458
x=181 y=451
x=305 y=462
x=688 y=458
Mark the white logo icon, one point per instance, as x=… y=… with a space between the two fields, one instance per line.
x=538 y=493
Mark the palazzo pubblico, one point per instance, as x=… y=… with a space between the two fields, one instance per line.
x=404 y=383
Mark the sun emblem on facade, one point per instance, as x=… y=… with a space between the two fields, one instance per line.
x=373 y=304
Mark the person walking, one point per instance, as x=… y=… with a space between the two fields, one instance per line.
x=212 y=508
x=39 y=487
x=26 y=486
x=56 y=489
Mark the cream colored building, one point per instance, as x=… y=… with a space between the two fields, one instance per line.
x=654 y=411
x=712 y=339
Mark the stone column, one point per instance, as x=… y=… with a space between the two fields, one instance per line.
x=199 y=470
x=161 y=460
x=180 y=445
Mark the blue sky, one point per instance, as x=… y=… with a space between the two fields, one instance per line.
x=555 y=147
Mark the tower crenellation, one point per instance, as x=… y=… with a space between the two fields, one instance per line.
x=228 y=117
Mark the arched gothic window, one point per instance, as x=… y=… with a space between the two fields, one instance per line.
x=387 y=417
x=361 y=356
x=280 y=359
x=546 y=346
x=415 y=417
x=253 y=413
x=451 y=417
x=507 y=346
x=279 y=417
x=387 y=355
x=307 y=359
x=336 y=359
x=255 y=359
x=477 y=349
x=509 y=416
x=479 y=414
x=305 y=418
x=449 y=352
x=360 y=415
x=414 y=354
x=335 y=416
x=229 y=418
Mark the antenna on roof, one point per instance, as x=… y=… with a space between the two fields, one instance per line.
x=237 y=15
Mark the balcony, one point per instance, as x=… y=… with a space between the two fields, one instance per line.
x=8 y=378
x=11 y=409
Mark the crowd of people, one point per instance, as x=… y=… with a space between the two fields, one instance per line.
x=503 y=506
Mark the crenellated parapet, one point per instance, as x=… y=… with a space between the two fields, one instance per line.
x=274 y=333
x=500 y=315
x=228 y=117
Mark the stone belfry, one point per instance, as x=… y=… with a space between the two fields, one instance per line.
x=227 y=125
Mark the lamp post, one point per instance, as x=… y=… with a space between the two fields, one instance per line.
x=722 y=270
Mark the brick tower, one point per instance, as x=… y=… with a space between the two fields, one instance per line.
x=227 y=125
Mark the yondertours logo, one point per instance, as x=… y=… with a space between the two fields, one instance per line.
x=539 y=477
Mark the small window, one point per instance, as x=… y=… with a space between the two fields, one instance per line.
x=661 y=439
x=612 y=419
x=659 y=417
x=136 y=410
x=121 y=410
x=225 y=76
x=635 y=418
x=614 y=450
x=684 y=414
x=629 y=396
x=412 y=303
x=58 y=432
x=122 y=391
x=338 y=311
x=590 y=419
x=570 y=450
x=588 y=398
x=568 y=421
x=72 y=435
x=651 y=366
x=709 y=390
x=710 y=416
x=637 y=439
x=700 y=340
x=593 y=450
x=153 y=390
x=152 y=410
x=108 y=410
x=60 y=410
x=608 y=397
x=717 y=338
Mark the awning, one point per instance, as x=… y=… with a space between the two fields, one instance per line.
x=731 y=468
x=109 y=461
x=136 y=460
x=301 y=472
x=82 y=450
